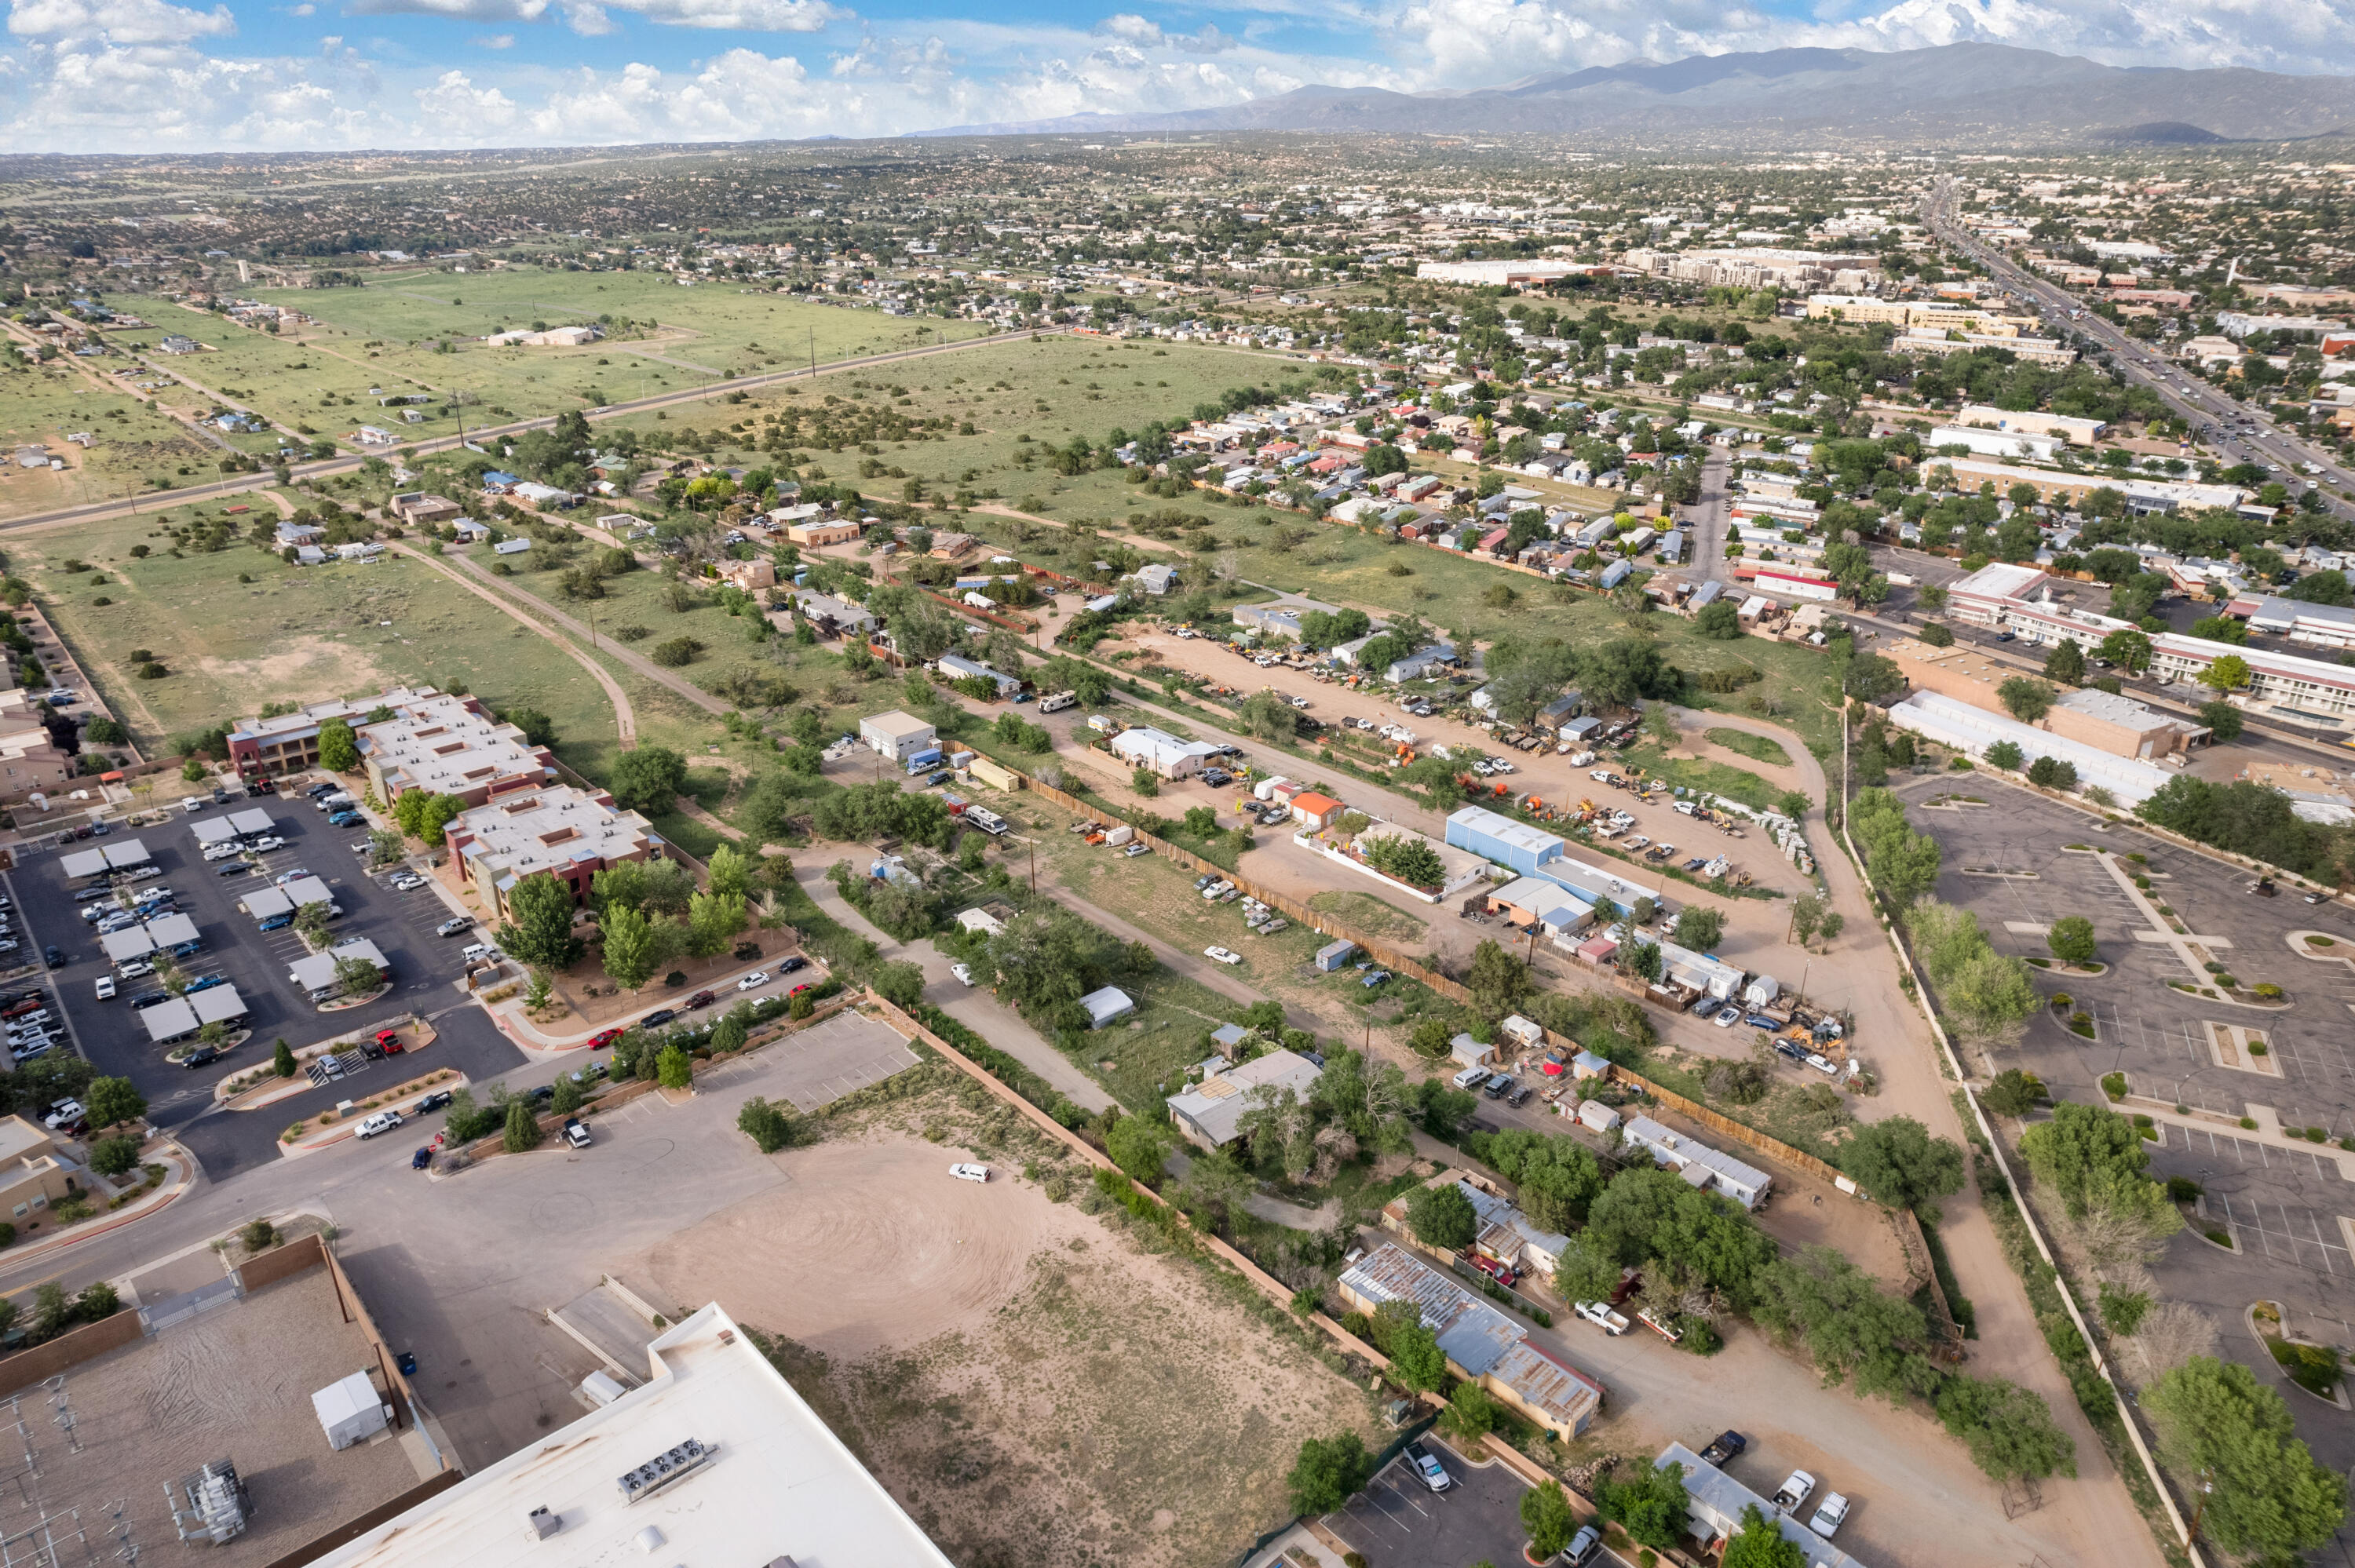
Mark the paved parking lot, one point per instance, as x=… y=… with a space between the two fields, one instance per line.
x=112 y=1037
x=2282 y=1206
x=1399 y=1522
x=817 y=1065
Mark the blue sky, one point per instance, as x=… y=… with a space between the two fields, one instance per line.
x=213 y=75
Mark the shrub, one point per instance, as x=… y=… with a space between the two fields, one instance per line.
x=765 y=1124
x=2114 y=1085
x=257 y=1234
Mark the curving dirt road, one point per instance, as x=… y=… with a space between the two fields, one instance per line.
x=626 y=716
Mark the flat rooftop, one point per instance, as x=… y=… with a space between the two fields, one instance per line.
x=233 y=1383
x=775 y=1484
x=537 y=831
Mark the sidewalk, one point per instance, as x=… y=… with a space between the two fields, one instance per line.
x=2268 y=1130
x=181 y=1175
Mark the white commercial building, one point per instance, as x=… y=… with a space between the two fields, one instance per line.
x=713 y=1460
x=1961 y=727
x=896 y=734
x=1161 y=752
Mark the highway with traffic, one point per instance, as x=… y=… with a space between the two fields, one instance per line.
x=2239 y=431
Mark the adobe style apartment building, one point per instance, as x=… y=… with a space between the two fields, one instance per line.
x=30 y=760
x=450 y=746
x=289 y=743
x=573 y=834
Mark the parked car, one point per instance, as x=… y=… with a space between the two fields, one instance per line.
x=1582 y=1547
x=657 y=1018
x=287 y=876
x=963 y=973
x=1600 y=1314
x=1727 y=1446
x=700 y=999
x=383 y=1121
x=276 y=923
x=106 y=988
x=345 y=819
x=1728 y=1017
x=576 y=1133
x=1830 y=1514
x=206 y=982
x=968 y=1171
x=149 y=999
x=1428 y=1469
x=1223 y=955
x=266 y=843
x=421 y=1158
x=1520 y=1096
x=202 y=1057
x=389 y=1042
x=455 y=923
x=792 y=965
x=1499 y=1085
x=603 y=1038
x=64 y=1112
x=1502 y=1273
x=1131 y=851
x=404 y=883
x=1792 y=1492
x=54 y=955
x=754 y=981
x=432 y=1102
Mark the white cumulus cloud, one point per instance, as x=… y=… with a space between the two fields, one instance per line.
x=117 y=21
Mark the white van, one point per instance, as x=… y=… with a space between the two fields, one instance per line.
x=477 y=953
x=1470 y=1077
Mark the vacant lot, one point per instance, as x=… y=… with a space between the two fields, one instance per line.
x=1035 y=1388
x=305 y=634
x=385 y=339
x=135 y=445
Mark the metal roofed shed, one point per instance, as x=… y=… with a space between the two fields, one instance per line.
x=351 y=1411
x=251 y=820
x=1210 y=1114
x=122 y=947
x=307 y=890
x=1334 y=954
x=316 y=972
x=1501 y=839
x=171 y=930
x=1106 y=1005
x=210 y=830
x=771 y=1485
x=82 y=864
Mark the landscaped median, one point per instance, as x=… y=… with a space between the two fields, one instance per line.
x=250 y=1088
x=334 y=1126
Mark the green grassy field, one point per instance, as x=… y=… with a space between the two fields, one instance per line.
x=1049 y=388
x=42 y=405
x=384 y=336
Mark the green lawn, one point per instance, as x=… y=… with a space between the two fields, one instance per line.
x=1733 y=783
x=1757 y=748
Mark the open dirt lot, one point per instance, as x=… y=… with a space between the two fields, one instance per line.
x=1035 y=1388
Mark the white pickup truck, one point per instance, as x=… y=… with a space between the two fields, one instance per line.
x=1601 y=1315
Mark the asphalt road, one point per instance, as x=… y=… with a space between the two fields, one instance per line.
x=2266 y=445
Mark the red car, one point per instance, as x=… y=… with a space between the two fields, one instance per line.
x=390 y=1039
x=1501 y=1273
x=603 y=1038
x=797 y=990
x=700 y=999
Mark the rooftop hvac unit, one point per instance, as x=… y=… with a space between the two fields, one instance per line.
x=210 y=1507
x=671 y=1465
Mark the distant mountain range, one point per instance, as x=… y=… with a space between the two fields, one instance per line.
x=1956 y=92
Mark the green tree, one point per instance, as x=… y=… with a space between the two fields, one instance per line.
x=1138 y=1145
x=647 y=778
x=1806 y=917
x=2095 y=1160
x=712 y=921
x=2013 y=1092
x=114 y=1156
x=1411 y=860
x=523 y=1128
x=899 y=982
x=632 y=953
x=1498 y=980
x=729 y=872
x=1471 y=1412
x=673 y=1068
x=1546 y=1515
x=1720 y=620
x=1937 y=636
x=1870 y=677
x=339 y=749
x=2225 y=721
x=1416 y=1359
x=539 y=930
x=2065 y=664
x=1443 y=1217
x=537 y=727
x=567 y=1098
x=2228 y=672
x=281 y=1058
x=2128 y=649
x=1700 y=929
x=2004 y=754
x=2230 y=1441
x=1899 y=1165
x=1759 y=1543
x=112 y=1101
x=1652 y=1508
x=766 y=1124
x=2071 y=939
x=1328 y=1472
x=2025 y=699
x=1853 y=1329
x=2008 y=1430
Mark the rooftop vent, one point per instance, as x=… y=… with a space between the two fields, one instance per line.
x=649 y=1539
x=665 y=1467
x=543 y=1523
